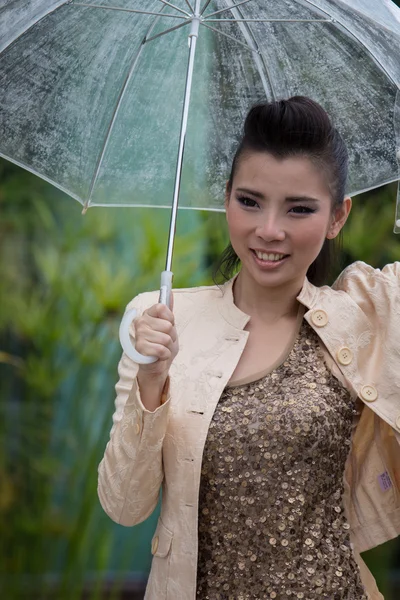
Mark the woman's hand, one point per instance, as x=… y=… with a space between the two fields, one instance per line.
x=155 y=335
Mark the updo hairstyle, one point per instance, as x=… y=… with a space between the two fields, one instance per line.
x=289 y=128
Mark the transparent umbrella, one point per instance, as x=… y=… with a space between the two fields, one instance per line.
x=95 y=95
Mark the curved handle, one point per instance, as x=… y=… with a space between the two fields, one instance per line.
x=130 y=315
x=126 y=343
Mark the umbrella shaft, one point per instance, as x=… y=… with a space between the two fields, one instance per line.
x=185 y=112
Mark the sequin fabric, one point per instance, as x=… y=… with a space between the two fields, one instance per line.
x=271 y=519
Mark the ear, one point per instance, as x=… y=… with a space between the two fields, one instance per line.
x=339 y=218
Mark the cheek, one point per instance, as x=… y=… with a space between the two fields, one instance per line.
x=311 y=235
x=238 y=221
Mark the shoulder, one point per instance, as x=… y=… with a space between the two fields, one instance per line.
x=361 y=275
x=372 y=289
x=183 y=297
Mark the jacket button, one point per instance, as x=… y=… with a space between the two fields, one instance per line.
x=369 y=393
x=319 y=318
x=345 y=356
x=137 y=428
x=398 y=422
x=154 y=545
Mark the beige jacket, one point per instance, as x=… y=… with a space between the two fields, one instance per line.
x=358 y=322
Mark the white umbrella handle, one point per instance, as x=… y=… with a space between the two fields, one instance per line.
x=130 y=315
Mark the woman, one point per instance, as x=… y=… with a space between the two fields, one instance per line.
x=274 y=432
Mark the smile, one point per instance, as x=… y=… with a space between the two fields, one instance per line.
x=269 y=260
x=270 y=256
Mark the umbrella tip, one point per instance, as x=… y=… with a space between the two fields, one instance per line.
x=85 y=207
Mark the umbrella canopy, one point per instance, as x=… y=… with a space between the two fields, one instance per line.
x=94 y=95
x=91 y=93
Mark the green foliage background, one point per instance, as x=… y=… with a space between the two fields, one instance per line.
x=64 y=282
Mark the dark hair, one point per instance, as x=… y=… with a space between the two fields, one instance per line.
x=294 y=127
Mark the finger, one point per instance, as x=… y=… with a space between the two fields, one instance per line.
x=147 y=329
x=160 y=311
x=157 y=350
x=173 y=335
x=155 y=324
x=155 y=337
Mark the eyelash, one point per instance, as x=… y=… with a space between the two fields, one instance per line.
x=305 y=210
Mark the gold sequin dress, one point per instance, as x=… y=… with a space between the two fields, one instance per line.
x=271 y=520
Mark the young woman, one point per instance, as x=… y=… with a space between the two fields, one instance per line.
x=271 y=420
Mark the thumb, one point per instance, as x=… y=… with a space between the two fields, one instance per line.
x=171 y=301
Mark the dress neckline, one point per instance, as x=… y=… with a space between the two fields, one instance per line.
x=279 y=361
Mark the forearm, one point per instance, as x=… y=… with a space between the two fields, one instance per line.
x=131 y=472
x=153 y=390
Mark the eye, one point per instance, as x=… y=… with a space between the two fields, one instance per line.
x=302 y=210
x=247 y=202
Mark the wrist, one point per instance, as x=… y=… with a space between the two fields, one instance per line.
x=153 y=380
x=153 y=388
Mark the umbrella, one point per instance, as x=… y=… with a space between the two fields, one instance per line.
x=95 y=94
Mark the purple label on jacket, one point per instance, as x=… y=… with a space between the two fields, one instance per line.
x=384 y=481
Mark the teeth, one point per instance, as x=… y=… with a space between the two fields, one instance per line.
x=274 y=257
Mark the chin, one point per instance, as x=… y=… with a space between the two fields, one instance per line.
x=277 y=278
x=271 y=279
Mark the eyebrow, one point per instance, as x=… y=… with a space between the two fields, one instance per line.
x=288 y=199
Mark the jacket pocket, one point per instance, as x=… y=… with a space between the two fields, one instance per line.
x=161 y=541
x=157 y=585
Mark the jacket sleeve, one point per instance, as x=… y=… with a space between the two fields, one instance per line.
x=377 y=293
x=131 y=471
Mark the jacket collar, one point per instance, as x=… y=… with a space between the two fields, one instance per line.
x=228 y=309
x=308 y=296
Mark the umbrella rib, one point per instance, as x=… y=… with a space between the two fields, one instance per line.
x=260 y=54
x=39 y=18
x=230 y=37
x=29 y=168
x=115 y=113
x=315 y=6
x=217 y=12
x=129 y=10
x=150 y=39
x=121 y=205
x=175 y=7
x=253 y=51
x=352 y=34
x=374 y=58
x=162 y=206
x=189 y=5
x=204 y=7
x=268 y=20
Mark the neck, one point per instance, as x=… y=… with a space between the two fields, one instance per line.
x=266 y=304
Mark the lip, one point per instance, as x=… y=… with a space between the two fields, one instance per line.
x=269 y=265
x=268 y=251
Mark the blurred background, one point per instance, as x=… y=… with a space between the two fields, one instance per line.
x=64 y=282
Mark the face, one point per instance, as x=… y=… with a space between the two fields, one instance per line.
x=279 y=213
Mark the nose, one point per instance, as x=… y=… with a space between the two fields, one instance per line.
x=270 y=230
